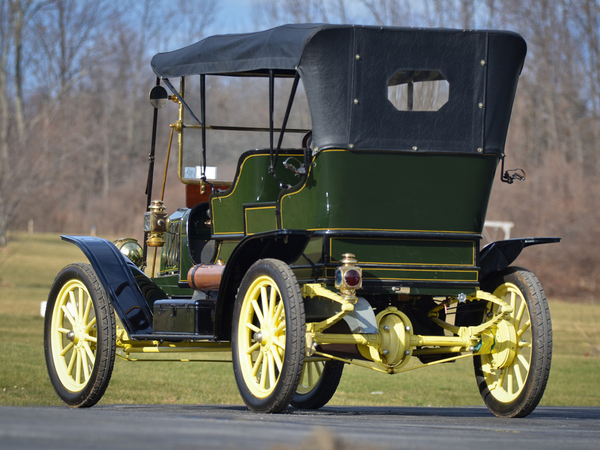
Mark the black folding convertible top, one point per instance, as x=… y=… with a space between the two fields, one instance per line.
x=346 y=69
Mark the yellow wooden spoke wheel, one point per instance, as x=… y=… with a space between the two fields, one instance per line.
x=318 y=383
x=268 y=336
x=79 y=336
x=311 y=375
x=512 y=378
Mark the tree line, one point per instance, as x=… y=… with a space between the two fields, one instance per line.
x=75 y=121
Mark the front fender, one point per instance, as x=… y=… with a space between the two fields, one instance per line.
x=131 y=292
x=501 y=254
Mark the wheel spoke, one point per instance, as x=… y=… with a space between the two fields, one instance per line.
x=84 y=360
x=524 y=362
x=68 y=315
x=501 y=378
x=271 y=370
x=65 y=350
x=72 y=362
x=280 y=328
x=90 y=325
x=278 y=343
x=319 y=367
x=63 y=330
x=518 y=376
x=278 y=311
x=277 y=358
x=80 y=306
x=258 y=312
x=78 y=364
x=523 y=328
x=309 y=374
x=520 y=312
x=256 y=365
x=89 y=352
x=513 y=300
x=252 y=348
x=88 y=309
x=264 y=374
x=265 y=302
x=272 y=303
x=73 y=302
x=252 y=327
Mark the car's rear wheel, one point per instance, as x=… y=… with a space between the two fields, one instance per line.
x=79 y=336
x=512 y=378
x=318 y=384
x=268 y=336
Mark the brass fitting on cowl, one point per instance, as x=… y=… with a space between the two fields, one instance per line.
x=156 y=222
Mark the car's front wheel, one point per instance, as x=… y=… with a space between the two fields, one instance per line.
x=79 y=336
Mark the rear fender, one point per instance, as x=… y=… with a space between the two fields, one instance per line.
x=501 y=254
x=131 y=292
x=494 y=257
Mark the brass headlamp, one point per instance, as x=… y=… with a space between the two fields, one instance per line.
x=131 y=249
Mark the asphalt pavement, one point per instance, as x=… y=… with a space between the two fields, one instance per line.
x=331 y=428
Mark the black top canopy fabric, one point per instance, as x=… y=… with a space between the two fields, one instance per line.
x=278 y=49
x=346 y=71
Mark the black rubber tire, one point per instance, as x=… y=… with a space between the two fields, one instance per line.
x=79 y=278
x=323 y=390
x=282 y=387
x=539 y=355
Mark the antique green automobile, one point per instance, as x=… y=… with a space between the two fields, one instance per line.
x=358 y=243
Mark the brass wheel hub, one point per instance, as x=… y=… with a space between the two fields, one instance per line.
x=505 y=346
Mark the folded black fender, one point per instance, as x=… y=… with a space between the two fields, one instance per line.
x=501 y=254
x=131 y=292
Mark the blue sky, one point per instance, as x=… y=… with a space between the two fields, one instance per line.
x=236 y=16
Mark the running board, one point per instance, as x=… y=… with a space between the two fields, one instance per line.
x=173 y=337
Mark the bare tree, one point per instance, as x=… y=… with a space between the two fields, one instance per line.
x=5 y=46
x=19 y=9
x=15 y=15
x=6 y=25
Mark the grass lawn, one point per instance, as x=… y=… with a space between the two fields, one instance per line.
x=30 y=262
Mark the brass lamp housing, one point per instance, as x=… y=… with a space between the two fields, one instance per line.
x=156 y=223
x=348 y=264
x=131 y=249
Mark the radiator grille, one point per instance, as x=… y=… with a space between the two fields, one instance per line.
x=172 y=246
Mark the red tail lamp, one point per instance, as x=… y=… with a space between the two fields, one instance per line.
x=348 y=277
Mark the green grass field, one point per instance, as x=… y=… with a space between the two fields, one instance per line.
x=30 y=262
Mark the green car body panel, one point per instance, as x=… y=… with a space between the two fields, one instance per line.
x=445 y=193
